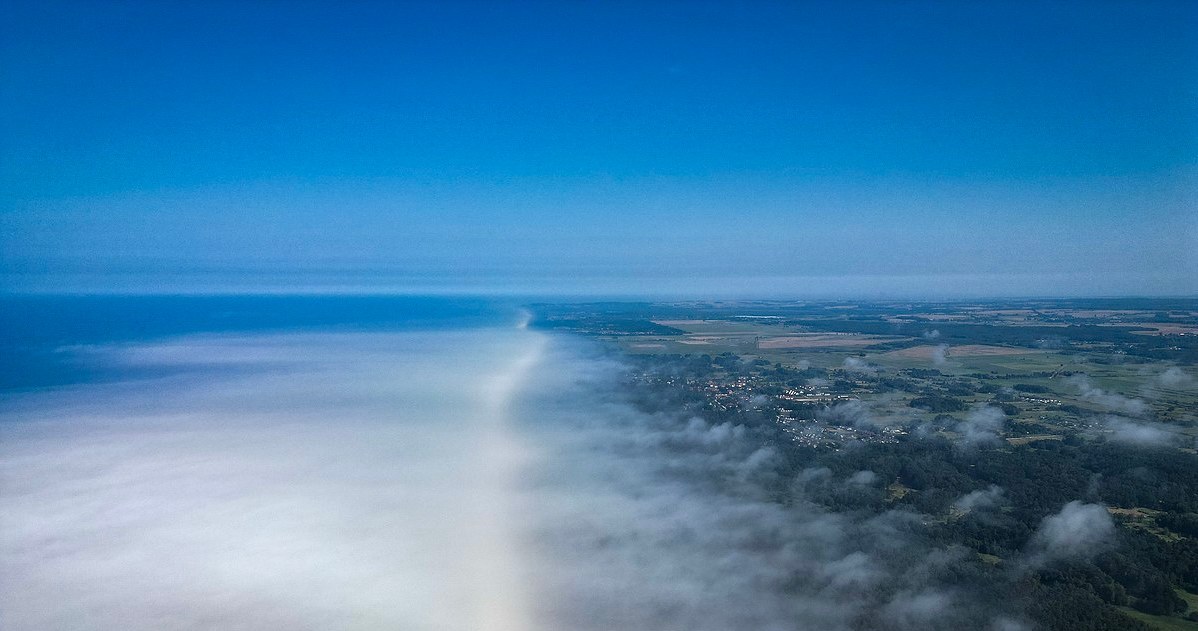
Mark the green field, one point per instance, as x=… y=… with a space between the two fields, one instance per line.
x=1164 y=623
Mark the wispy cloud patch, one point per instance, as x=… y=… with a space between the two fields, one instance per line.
x=1109 y=401
x=981 y=426
x=1078 y=530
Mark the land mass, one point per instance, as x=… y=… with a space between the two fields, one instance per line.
x=1026 y=406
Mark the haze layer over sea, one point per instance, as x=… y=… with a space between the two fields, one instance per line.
x=403 y=463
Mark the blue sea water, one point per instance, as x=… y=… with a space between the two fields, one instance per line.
x=41 y=336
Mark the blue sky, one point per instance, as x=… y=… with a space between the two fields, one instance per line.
x=630 y=148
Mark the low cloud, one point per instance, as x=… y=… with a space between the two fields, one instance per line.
x=981 y=499
x=1004 y=623
x=1174 y=377
x=940 y=355
x=917 y=610
x=1109 y=401
x=297 y=481
x=1140 y=433
x=665 y=530
x=1078 y=530
x=872 y=414
x=856 y=364
x=487 y=481
x=863 y=478
x=981 y=426
x=855 y=412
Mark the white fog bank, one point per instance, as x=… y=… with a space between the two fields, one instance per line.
x=342 y=481
x=489 y=480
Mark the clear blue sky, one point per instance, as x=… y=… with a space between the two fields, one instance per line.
x=840 y=148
